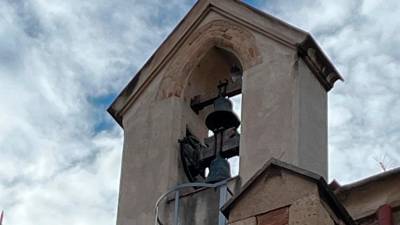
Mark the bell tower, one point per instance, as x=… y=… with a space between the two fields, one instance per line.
x=171 y=107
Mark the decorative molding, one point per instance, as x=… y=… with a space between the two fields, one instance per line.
x=318 y=63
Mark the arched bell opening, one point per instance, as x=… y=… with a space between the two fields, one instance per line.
x=218 y=69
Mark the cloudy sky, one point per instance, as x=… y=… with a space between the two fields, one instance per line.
x=63 y=62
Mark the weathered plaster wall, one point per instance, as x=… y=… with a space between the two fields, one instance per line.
x=310 y=210
x=307 y=210
x=304 y=210
x=269 y=110
x=312 y=151
x=150 y=158
x=284 y=113
x=274 y=190
x=281 y=198
x=248 y=221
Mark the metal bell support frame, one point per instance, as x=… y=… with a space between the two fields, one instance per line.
x=218 y=121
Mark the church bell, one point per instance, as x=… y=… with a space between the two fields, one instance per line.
x=223 y=116
x=219 y=170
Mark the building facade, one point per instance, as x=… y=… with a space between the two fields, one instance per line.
x=220 y=49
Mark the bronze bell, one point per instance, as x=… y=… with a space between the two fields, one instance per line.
x=222 y=117
x=219 y=170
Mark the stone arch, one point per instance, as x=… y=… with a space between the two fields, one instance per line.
x=219 y=33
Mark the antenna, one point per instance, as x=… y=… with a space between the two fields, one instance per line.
x=384 y=162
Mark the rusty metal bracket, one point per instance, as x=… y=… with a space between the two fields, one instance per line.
x=196 y=157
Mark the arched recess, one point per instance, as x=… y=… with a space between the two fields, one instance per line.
x=205 y=58
x=216 y=65
x=219 y=33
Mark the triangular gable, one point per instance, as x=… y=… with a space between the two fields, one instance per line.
x=305 y=184
x=242 y=14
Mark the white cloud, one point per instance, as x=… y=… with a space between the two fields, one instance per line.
x=62 y=62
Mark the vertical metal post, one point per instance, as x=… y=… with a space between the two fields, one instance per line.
x=222 y=199
x=176 y=214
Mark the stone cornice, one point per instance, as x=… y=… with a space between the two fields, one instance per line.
x=318 y=62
